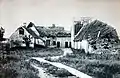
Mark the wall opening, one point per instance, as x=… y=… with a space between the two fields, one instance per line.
x=47 y=42
x=58 y=44
x=54 y=42
x=69 y=44
x=66 y=44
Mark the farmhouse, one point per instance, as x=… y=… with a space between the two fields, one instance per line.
x=85 y=36
x=55 y=36
x=26 y=36
x=31 y=35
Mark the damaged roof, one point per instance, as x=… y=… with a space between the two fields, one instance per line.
x=93 y=29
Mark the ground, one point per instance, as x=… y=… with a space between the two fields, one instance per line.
x=95 y=65
x=16 y=65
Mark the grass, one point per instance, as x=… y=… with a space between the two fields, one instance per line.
x=55 y=71
x=15 y=66
x=95 y=65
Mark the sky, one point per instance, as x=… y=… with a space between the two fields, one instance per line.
x=13 y=13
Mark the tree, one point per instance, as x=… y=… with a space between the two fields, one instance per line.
x=2 y=31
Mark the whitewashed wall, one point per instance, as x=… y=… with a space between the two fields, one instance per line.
x=62 y=41
x=16 y=36
x=72 y=36
x=83 y=45
x=79 y=45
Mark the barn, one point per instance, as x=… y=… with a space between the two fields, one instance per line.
x=31 y=36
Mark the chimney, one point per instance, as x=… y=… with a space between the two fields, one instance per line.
x=24 y=24
x=72 y=35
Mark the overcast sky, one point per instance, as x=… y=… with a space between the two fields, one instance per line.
x=60 y=12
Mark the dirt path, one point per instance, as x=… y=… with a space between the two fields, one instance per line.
x=73 y=71
x=59 y=65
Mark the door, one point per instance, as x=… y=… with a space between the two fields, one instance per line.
x=69 y=44
x=66 y=44
x=58 y=44
x=47 y=42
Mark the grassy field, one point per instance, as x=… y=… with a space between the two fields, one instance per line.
x=95 y=65
x=55 y=71
x=16 y=66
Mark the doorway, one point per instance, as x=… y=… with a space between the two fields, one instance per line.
x=54 y=42
x=66 y=44
x=47 y=42
x=69 y=44
x=58 y=44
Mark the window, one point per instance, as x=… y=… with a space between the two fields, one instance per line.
x=21 y=31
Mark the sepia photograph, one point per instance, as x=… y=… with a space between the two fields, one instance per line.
x=59 y=39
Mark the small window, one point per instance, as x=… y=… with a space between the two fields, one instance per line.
x=21 y=31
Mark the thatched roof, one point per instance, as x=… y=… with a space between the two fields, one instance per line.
x=95 y=28
x=43 y=31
